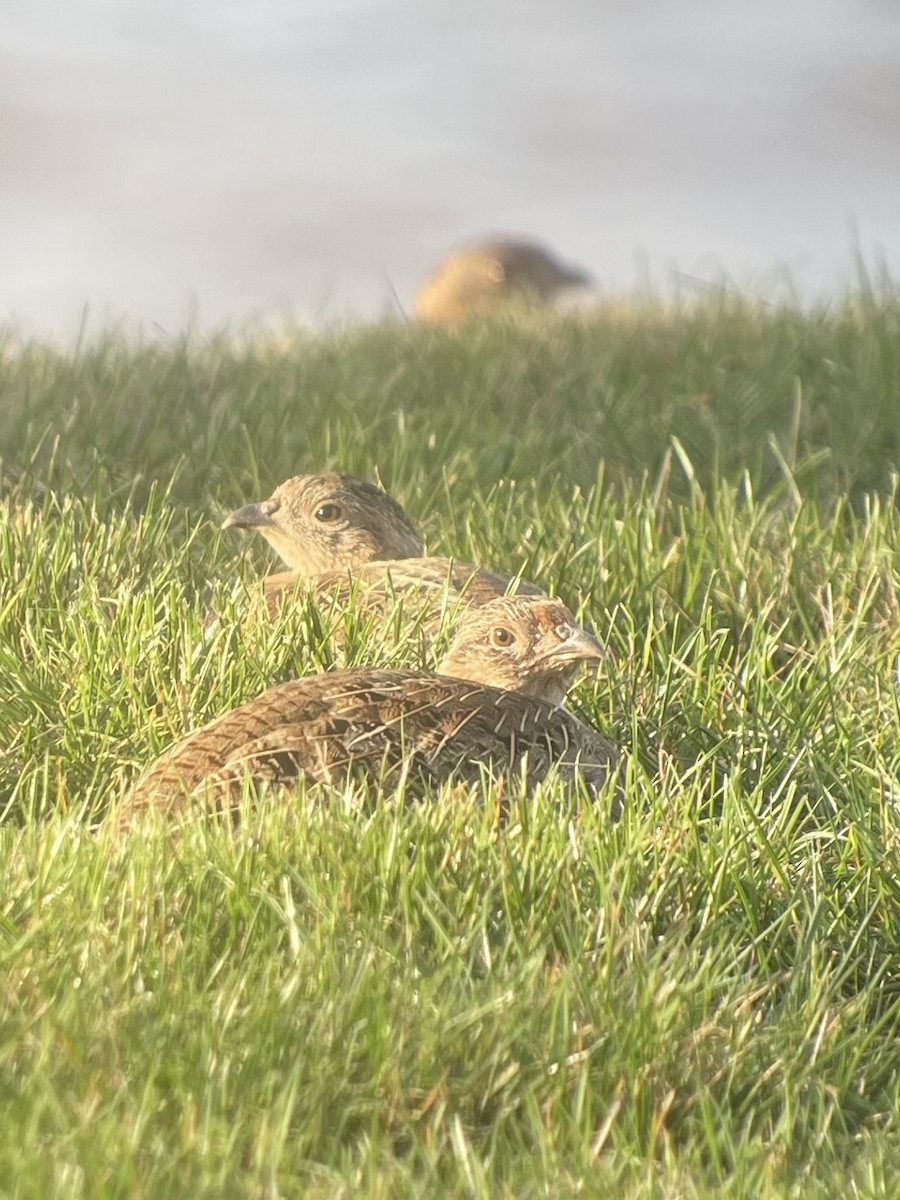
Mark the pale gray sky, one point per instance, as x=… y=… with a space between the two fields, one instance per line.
x=224 y=160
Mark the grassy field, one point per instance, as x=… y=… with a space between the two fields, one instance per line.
x=358 y=998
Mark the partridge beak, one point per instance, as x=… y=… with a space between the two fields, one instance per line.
x=581 y=646
x=251 y=516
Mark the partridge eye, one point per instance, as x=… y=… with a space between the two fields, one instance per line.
x=502 y=637
x=328 y=512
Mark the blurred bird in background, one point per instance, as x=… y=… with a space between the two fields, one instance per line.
x=489 y=275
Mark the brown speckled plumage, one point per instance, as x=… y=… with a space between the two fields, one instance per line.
x=387 y=725
x=417 y=581
x=341 y=536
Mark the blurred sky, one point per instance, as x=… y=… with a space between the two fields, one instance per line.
x=218 y=161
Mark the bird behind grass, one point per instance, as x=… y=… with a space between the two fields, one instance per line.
x=344 y=538
x=327 y=522
x=494 y=706
x=485 y=276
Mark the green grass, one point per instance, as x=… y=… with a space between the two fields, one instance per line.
x=357 y=998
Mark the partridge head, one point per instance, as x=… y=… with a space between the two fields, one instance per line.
x=320 y=523
x=482 y=277
x=527 y=644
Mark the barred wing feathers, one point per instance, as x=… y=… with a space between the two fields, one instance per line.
x=377 y=724
x=379 y=584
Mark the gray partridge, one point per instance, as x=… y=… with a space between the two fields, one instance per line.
x=342 y=536
x=483 y=277
x=325 y=522
x=495 y=706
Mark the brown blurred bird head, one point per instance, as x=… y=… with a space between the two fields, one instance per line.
x=527 y=644
x=327 y=522
x=483 y=276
